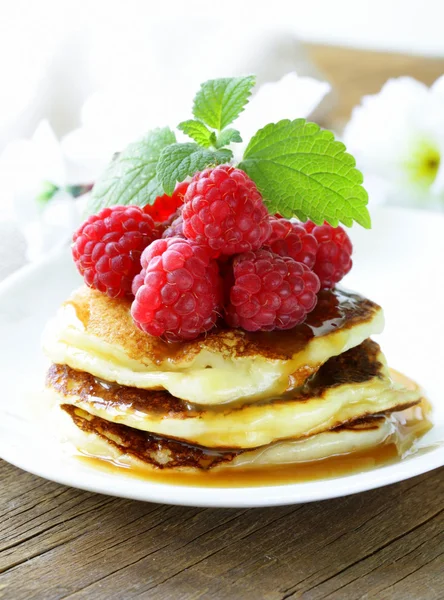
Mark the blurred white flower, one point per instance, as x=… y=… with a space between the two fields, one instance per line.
x=140 y=83
x=397 y=137
x=113 y=118
x=26 y=167
x=26 y=164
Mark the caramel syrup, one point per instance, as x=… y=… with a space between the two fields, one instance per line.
x=335 y=310
x=413 y=424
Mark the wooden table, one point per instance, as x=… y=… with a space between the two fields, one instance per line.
x=57 y=542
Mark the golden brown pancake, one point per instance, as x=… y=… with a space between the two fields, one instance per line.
x=130 y=447
x=96 y=334
x=109 y=319
x=347 y=387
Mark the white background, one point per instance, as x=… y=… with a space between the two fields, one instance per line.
x=54 y=53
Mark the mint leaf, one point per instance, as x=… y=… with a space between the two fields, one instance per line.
x=131 y=177
x=198 y=132
x=180 y=160
x=220 y=101
x=227 y=136
x=302 y=170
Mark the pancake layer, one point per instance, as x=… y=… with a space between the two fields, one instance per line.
x=98 y=437
x=95 y=334
x=354 y=385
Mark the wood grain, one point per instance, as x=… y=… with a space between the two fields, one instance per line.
x=387 y=544
x=58 y=542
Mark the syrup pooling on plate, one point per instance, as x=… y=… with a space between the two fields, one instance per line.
x=413 y=424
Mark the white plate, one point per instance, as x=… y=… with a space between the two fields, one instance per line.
x=398 y=264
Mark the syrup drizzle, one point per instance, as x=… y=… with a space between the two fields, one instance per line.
x=412 y=424
x=335 y=310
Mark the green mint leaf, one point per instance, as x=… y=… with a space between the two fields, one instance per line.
x=302 y=170
x=197 y=131
x=227 y=136
x=220 y=101
x=131 y=176
x=180 y=160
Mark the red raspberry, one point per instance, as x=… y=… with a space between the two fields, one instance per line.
x=107 y=248
x=181 y=292
x=224 y=211
x=164 y=206
x=333 y=258
x=172 y=227
x=270 y=292
x=289 y=238
x=175 y=227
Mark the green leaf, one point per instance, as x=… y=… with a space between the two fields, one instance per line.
x=180 y=160
x=131 y=177
x=227 y=136
x=302 y=170
x=220 y=101
x=197 y=131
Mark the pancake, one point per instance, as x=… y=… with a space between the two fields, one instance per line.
x=347 y=387
x=96 y=334
x=130 y=447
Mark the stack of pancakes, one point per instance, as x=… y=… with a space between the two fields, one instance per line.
x=229 y=399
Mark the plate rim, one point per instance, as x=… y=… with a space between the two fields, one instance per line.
x=226 y=497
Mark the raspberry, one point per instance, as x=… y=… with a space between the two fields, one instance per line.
x=164 y=206
x=289 y=238
x=270 y=292
x=107 y=248
x=333 y=258
x=224 y=211
x=138 y=281
x=174 y=228
x=181 y=291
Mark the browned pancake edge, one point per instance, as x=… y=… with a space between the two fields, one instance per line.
x=109 y=319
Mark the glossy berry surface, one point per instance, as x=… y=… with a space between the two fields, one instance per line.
x=270 y=292
x=224 y=211
x=333 y=257
x=179 y=293
x=289 y=238
x=108 y=246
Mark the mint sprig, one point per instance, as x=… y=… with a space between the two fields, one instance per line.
x=227 y=136
x=216 y=105
x=131 y=178
x=220 y=101
x=302 y=170
x=198 y=132
x=299 y=168
x=178 y=161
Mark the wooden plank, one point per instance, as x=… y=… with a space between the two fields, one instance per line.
x=78 y=545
